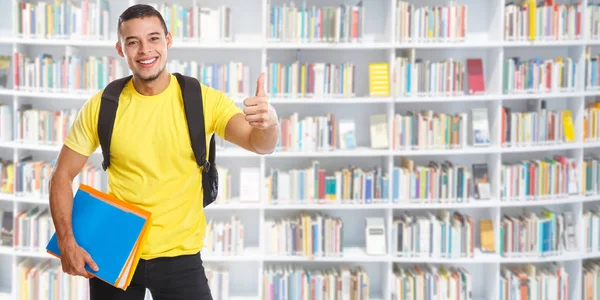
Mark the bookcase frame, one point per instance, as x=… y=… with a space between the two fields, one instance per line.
x=252 y=263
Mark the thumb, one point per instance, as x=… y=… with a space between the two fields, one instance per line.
x=90 y=262
x=260 y=85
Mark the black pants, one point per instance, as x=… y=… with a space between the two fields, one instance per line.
x=172 y=278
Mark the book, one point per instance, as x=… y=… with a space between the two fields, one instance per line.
x=481 y=132
x=379 y=79
x=112 y=231
x=482 y=181
x=476 y=77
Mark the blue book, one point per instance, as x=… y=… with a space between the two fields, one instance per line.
x=112 y=231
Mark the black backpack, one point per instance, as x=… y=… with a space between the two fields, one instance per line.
x=192 y=101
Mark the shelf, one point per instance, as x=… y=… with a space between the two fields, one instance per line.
x=250 y=254
x=567 y=256
x=5 y=250
x=434 y=99
x=550 y=95
x=328 y=100
x=351 y=254
x=453 y=205
x=459 y=151
x=478 y=258
x=554 y=201
x=325 y=206
x=34 y=253
x=329 y=46
x=361 y=151
x=548 y=43
x=534 y=148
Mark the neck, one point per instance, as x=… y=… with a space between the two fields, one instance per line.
x=153 y=87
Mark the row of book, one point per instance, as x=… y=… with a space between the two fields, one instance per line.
x=538 y=179
x=544 y=234
x=436 y=23
x=413 y=130
x=531 y=281
x=431 y=282
x=447 y=234
x=436 y=182
x=62 y=19
x=33 y=228
x=306 y=235
x=426 y=129
x=6 y=227
x=39 y=126
x=232 y=78
x=543 y=20
x=224 y=237
x=592 y=80
x=46 y=280
x=47 y=73
x=218 y=281
x=537 y=126
x=590 y=172
x=32 y=177
x=196 y=22
x=317 y=79
x=591 y=229
x=539 y=75
x=313 y=185
x=425 y=77
x=291 y=22
x=420 y=77
x=591 y=122
x=295 y=282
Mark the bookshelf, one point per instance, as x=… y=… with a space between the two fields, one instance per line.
x=251 y=44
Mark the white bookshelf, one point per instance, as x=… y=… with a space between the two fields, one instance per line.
x=249 y=22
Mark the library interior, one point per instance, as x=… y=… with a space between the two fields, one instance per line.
x=475 y=174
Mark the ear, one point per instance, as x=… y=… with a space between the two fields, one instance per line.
x=119 y=48
x=169 y=40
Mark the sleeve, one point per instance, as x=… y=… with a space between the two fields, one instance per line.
x=220 y=107
x=82 y=137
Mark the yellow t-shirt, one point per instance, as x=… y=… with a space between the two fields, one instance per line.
x=152 y=161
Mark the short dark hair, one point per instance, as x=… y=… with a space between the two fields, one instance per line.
x=140 y=11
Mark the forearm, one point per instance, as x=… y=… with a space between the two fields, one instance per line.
x=61 y=207
x=264 y=140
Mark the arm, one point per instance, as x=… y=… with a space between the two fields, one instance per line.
x=261 y=141
x=73 y=258
x=68 y=164
x=257 y=129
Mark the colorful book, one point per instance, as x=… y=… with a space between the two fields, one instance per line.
x=112 y=231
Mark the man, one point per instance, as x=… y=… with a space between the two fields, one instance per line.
x=152 y=164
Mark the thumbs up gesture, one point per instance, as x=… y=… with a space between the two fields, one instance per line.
x=259 y=113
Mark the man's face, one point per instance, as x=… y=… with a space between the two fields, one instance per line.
x=143 y=43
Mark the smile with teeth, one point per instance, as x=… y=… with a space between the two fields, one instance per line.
x=147 y=62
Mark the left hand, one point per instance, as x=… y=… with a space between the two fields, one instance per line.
x=259 y=113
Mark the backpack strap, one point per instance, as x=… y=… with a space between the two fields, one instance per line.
x=106 y=117
x=194 y=114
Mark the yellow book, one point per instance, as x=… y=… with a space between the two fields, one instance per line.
x=568 y=126
x=531 y=9
x=379 y=83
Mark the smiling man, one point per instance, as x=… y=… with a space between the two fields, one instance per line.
x=152 y=163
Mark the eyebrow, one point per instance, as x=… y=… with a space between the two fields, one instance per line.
x=134 y=37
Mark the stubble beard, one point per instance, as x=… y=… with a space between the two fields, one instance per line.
x=151 y=77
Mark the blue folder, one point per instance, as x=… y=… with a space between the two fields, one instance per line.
x=110 y=230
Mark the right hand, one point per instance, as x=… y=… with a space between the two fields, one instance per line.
x=74 y=258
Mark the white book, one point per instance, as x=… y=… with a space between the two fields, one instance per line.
x=481 y=131
x=249 y=184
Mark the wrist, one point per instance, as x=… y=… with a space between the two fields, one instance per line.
x=66 y=241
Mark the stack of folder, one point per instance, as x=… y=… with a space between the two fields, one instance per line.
x=112 y=231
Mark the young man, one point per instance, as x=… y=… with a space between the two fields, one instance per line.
x=153 y=165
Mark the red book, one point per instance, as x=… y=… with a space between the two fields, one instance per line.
x=475 y=73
